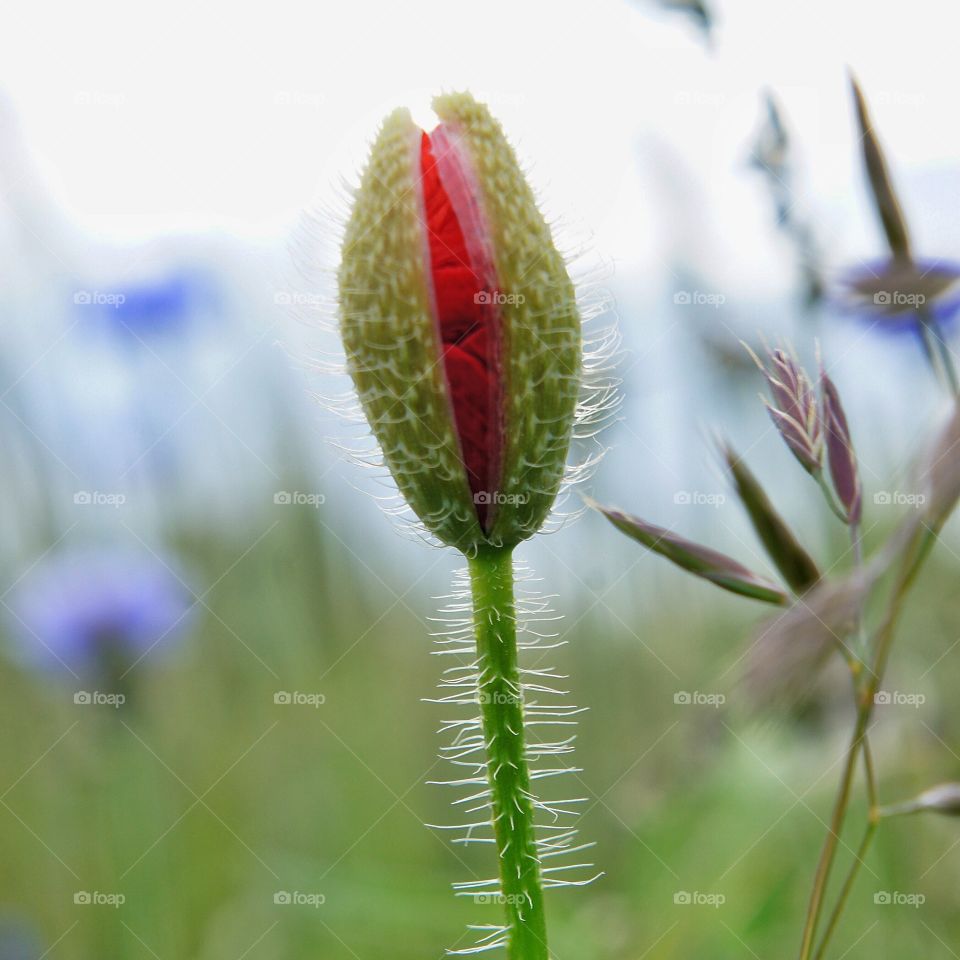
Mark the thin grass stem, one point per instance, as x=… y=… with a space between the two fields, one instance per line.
x=883 y=641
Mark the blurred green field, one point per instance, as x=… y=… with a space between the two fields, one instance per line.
x=202 y=799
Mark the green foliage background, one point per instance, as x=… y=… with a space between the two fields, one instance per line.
x=203 y=798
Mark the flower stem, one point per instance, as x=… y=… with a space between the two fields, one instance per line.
x=938 y=351
x=828 y=853
x=501 y=704
x=910 y=566
x=858 y=859
x=830 y=497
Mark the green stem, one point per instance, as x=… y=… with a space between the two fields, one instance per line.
x=828 y=853
x=913 y=560
x=871 y=778
x=830 y=496
x=859 y=856
x=938 y=351
x=501 y=704
x=873 y=821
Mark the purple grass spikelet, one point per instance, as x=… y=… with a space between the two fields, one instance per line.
x=793 y=406
x=841 y=455
x=704 y=562
x=796 y=566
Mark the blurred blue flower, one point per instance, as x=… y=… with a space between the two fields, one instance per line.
x=96 y=613
x=19 y=940
x=141 y=311
x=893 y=293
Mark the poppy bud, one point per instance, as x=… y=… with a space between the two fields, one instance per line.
x=461 y=328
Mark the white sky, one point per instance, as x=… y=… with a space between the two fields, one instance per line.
x=195 y=115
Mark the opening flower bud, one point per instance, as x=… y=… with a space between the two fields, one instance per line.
x=460 y=326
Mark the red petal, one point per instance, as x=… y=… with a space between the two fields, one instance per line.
x=464 y=297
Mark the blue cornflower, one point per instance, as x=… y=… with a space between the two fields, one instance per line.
x=19 y=940
x=96 y=613
x=149 y=309
x=899 y=294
